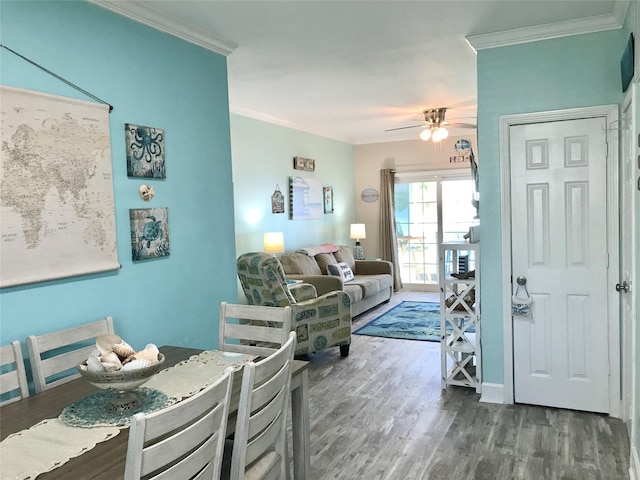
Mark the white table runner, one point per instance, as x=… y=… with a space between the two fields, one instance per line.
x=51 y=443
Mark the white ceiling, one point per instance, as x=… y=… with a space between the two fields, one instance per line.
x=349 y=70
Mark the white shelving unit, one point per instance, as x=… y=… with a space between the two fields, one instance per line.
x=460 y=320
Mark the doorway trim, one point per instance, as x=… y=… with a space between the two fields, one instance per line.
x=611 y=113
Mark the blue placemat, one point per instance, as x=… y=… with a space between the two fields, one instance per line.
x=91 y=411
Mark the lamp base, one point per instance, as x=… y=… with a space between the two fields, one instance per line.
x=358 y=252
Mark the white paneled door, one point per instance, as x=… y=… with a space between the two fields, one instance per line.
x=559 y=244
x=627 y=248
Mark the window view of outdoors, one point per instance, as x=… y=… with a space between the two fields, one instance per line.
x=420 y=229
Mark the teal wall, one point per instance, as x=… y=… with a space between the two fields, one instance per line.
x=569 y=72
x=263 y=158
x=156 y=80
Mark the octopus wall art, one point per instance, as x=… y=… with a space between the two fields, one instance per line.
x=145 y=151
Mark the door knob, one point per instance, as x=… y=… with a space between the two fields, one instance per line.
x=624 y=287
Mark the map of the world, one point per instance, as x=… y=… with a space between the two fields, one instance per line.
x=57 y=216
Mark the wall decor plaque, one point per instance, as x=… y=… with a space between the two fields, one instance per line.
x=277 y=201
x=370 y=195
x=328 y=199
x=306 y=164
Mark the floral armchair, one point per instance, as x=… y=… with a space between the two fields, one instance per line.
x=320 y=322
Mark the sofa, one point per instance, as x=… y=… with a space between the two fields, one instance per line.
x=323 y=266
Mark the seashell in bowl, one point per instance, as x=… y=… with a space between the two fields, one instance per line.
x=106 y=341
x=123 y=349
x=93 y=362
x=111 y=367
x=136 y=364
x=110 y=358
x=150 y=352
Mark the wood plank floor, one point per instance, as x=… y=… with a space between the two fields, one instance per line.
x=381 y=414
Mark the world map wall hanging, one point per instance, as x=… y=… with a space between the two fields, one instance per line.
x=61 y=221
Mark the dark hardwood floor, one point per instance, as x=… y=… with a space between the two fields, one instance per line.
x=381 y=414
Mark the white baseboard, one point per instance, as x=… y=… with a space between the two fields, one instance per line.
x=634 y=470
x=492 y=393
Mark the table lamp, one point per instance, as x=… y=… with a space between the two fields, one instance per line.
x=358 y=231
x=274 y=242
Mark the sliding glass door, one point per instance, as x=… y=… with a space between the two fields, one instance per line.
x=429 y=209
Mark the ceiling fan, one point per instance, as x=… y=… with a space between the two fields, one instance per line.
x=434 y=128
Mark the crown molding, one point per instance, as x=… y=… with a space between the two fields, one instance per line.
x=597 y=23
x=147 y=15
x=263 y=117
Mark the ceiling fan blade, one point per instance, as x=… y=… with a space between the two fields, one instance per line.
x=462 y=125
x=402 y=128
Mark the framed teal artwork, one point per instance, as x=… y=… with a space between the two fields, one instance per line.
x=149 y=233
x=145 y=151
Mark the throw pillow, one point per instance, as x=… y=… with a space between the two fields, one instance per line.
x=299 y=264
x=324 y=260
x=345 y=255
x=341 y=270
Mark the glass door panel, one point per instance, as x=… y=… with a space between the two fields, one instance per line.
x=420 y=228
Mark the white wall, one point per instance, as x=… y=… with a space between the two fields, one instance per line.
x=409 y=155
x=262 y=156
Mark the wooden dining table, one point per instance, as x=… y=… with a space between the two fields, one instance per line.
x=106 y=460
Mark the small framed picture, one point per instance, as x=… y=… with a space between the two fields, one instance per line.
x=149 y=233
x=307 y=164
x=145 y=151
x=328 y=199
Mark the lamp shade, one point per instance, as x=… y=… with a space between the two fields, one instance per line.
x=358 y=231
x=273 y=242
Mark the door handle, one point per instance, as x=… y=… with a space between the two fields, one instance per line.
x=622 y=287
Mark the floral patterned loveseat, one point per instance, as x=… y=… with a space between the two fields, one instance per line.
x=320 y=321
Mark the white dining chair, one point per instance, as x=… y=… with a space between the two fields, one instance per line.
x=260 y=443
x=253 y=329
x=13 y=376
x=183 y=441
x=54 y=356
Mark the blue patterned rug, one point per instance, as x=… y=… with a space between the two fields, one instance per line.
x=408 y=320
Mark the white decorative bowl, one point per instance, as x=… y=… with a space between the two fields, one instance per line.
x=122 y=381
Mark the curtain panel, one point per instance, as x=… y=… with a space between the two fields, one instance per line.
x=388 y=233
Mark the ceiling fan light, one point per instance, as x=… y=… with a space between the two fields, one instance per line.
x=425 y=134
x=439 y=134
x=443 y=133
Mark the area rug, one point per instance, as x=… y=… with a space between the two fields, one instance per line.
x=408 y=321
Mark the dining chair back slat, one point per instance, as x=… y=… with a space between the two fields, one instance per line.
x=13 y=379
x=253 y=329
x=185 y=440
x=54 y=356
x=260 y=444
